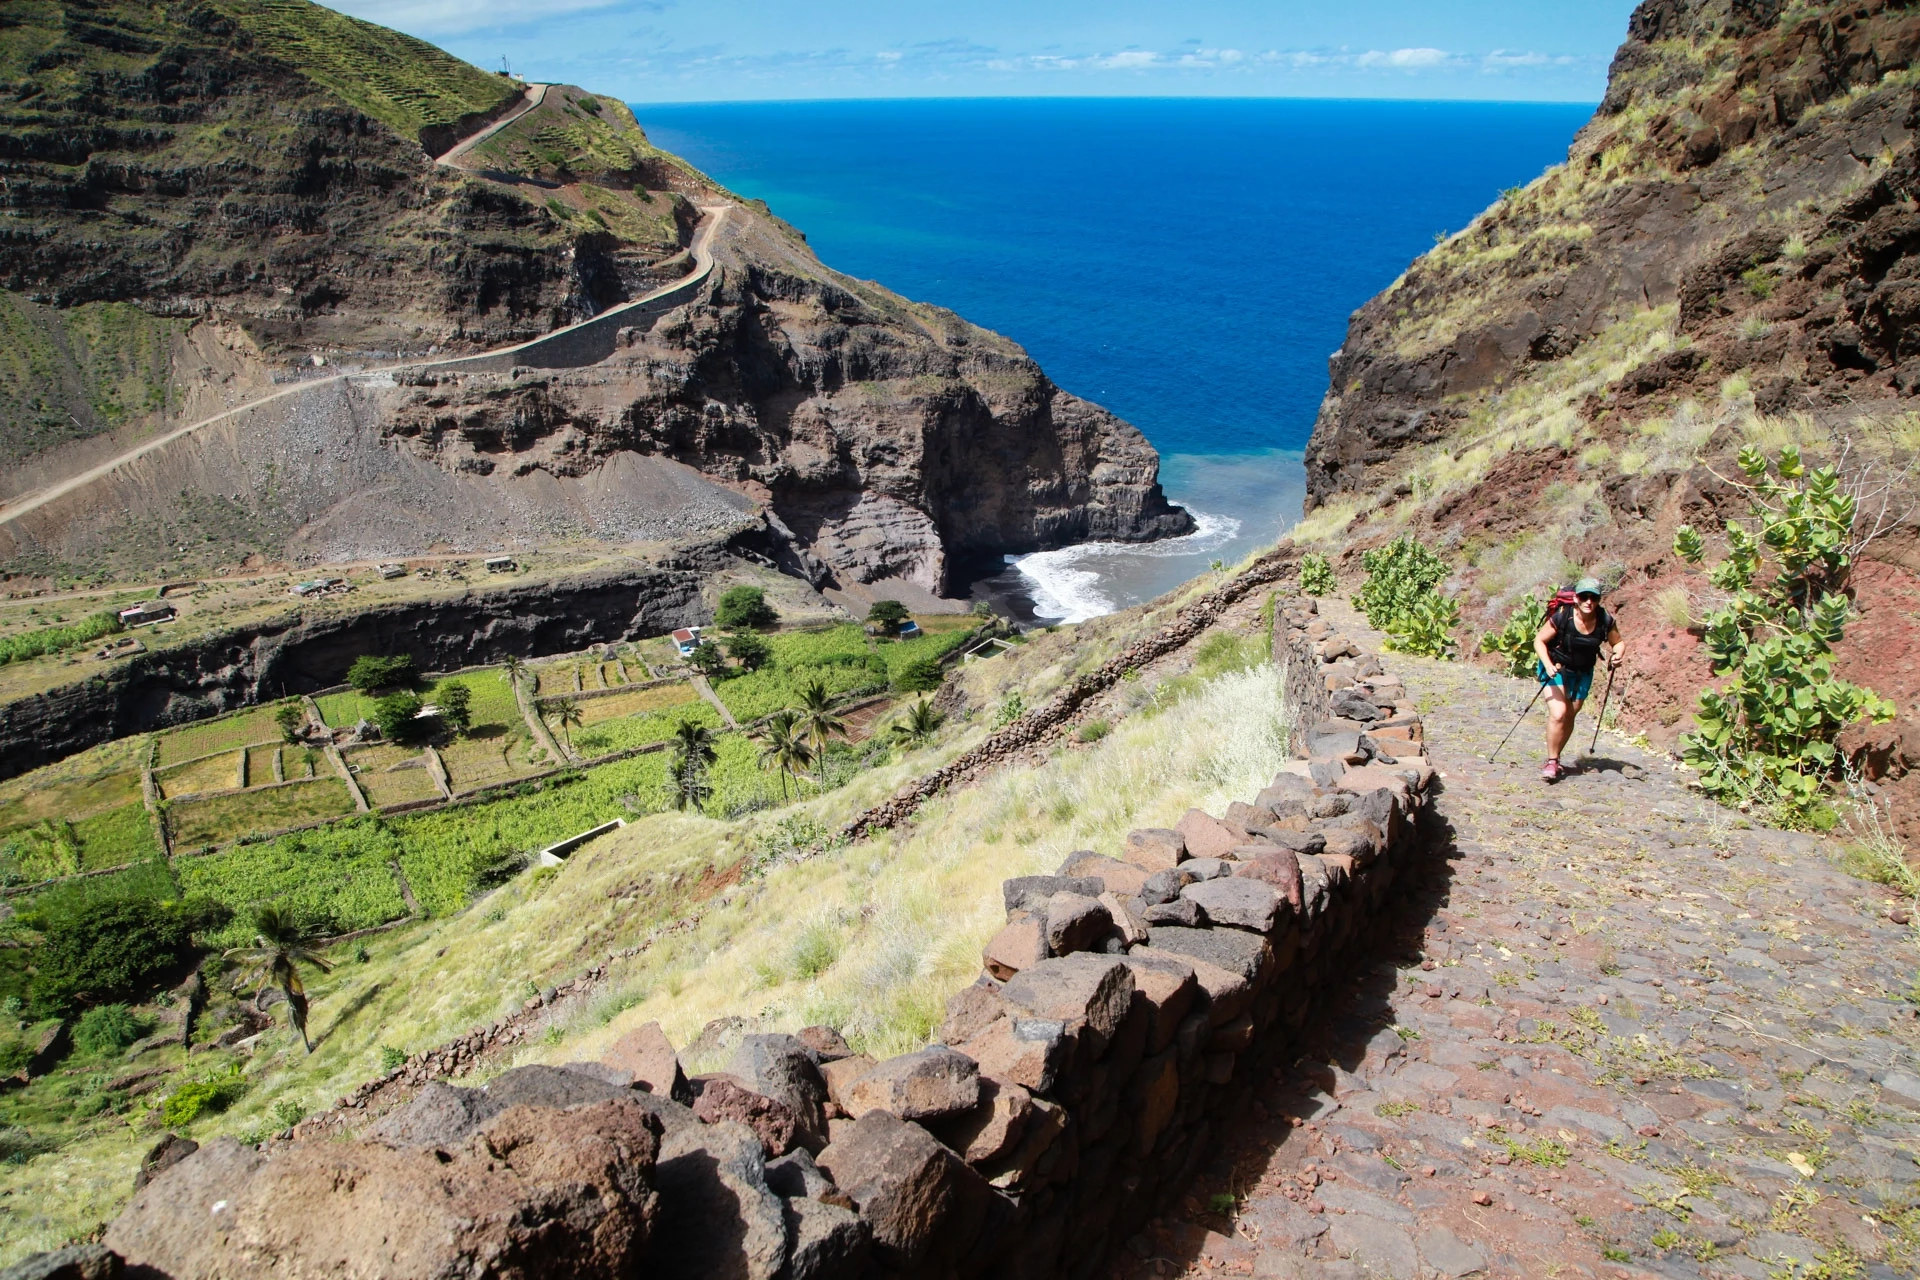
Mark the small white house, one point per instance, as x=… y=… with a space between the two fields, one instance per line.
x=686 y=640
x=146 y=613
x=501 y=564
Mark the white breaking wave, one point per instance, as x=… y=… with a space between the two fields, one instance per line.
x=1065 y=585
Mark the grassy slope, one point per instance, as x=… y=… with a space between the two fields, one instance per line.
x=870 y=936
x=404 y=83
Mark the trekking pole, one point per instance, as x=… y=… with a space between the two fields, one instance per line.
x=1601 y=718
x=1517 y=723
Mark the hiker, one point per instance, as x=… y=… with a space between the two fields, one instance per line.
x=1568 y=647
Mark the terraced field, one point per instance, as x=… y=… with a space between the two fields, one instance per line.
x=220 y=819
x=228 y=733
x=209 y=773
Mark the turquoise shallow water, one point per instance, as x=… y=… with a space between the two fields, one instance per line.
x=1188 y=263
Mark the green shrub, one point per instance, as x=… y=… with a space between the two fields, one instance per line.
x=1426 y=628
x=1011 y=708
x=392 y=1059
x=1316 y=575
x=398 y=715
x=919 y=676
x=107 y=951
x=106 y=1029
x=455 y=701
x=1514 y=641
x=1399 y=576
x=1766 y=738
x=1401 y=597
x=370 y=673
x=707 y=659
x=206 y=1096
x=751 y=651
x=31 y=644
x=887 y=615
x=290 y=719
x=1092 y=731
x=745 y=607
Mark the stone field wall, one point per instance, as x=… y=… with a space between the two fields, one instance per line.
x=1122 y=1020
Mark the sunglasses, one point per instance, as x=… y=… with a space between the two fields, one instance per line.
x=1586 y=595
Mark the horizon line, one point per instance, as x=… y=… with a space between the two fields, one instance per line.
x=1593 y=105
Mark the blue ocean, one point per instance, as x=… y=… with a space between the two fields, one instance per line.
x=1188 y=263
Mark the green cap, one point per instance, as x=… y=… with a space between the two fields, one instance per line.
x=1589 y=587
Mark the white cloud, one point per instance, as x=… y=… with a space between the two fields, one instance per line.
x=1405 y=59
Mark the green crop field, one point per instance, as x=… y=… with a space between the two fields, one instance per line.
x=493 y=701
x=214 y=773
x=626 y=732
x=228 y=733
x=839 y=657
x=194 y=824
x=328 y=883
x=54 y=847
x=344 y=710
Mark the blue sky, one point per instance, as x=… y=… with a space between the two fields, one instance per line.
x=721 y=50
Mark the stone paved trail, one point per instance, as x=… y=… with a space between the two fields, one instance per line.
x=1626 y=1035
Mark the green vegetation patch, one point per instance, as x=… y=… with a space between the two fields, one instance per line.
x=345 y=709
x=332 y=880
x=492 y=698
x=624 y=734
x=55 y=847
x=23 y=645
x=219 y=819
x=225 y=734
x=839 y=658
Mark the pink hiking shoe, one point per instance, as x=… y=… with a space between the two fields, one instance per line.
x=1551 y=771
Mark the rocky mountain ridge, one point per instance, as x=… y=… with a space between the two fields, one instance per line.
x=1727 y=257
x=264 y=171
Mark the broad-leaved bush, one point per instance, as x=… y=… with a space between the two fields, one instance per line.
x=1765 y=739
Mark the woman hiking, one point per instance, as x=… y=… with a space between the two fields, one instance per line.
x=1568 y=646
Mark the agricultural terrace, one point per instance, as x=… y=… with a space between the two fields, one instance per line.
x=842 y=658
x=227 y=733
x=81 y=814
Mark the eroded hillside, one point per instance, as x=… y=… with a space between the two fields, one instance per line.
x=1727 y=257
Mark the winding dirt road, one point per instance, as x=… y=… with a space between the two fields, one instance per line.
x=711 y=219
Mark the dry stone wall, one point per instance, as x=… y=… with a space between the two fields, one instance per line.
x=1122 y=1018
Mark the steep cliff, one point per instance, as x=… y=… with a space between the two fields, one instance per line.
x=211 y=198
x=1728 y=256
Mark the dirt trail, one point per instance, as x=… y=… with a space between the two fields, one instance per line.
x=712 y=216
x=1626 y=1034
x=531 y=97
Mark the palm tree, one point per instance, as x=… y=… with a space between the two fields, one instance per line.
x=693 y=751
x=816 y=718
x=515 y=669
x=920 y=724
x=279 y=948
x=566 y=714
x=786 y=748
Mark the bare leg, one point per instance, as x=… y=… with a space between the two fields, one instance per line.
x=1561 y=711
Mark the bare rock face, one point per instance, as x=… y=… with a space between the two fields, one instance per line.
x=532 y=1192
x=889 y=439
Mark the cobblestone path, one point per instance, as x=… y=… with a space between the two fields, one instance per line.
x=1627 y=1035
